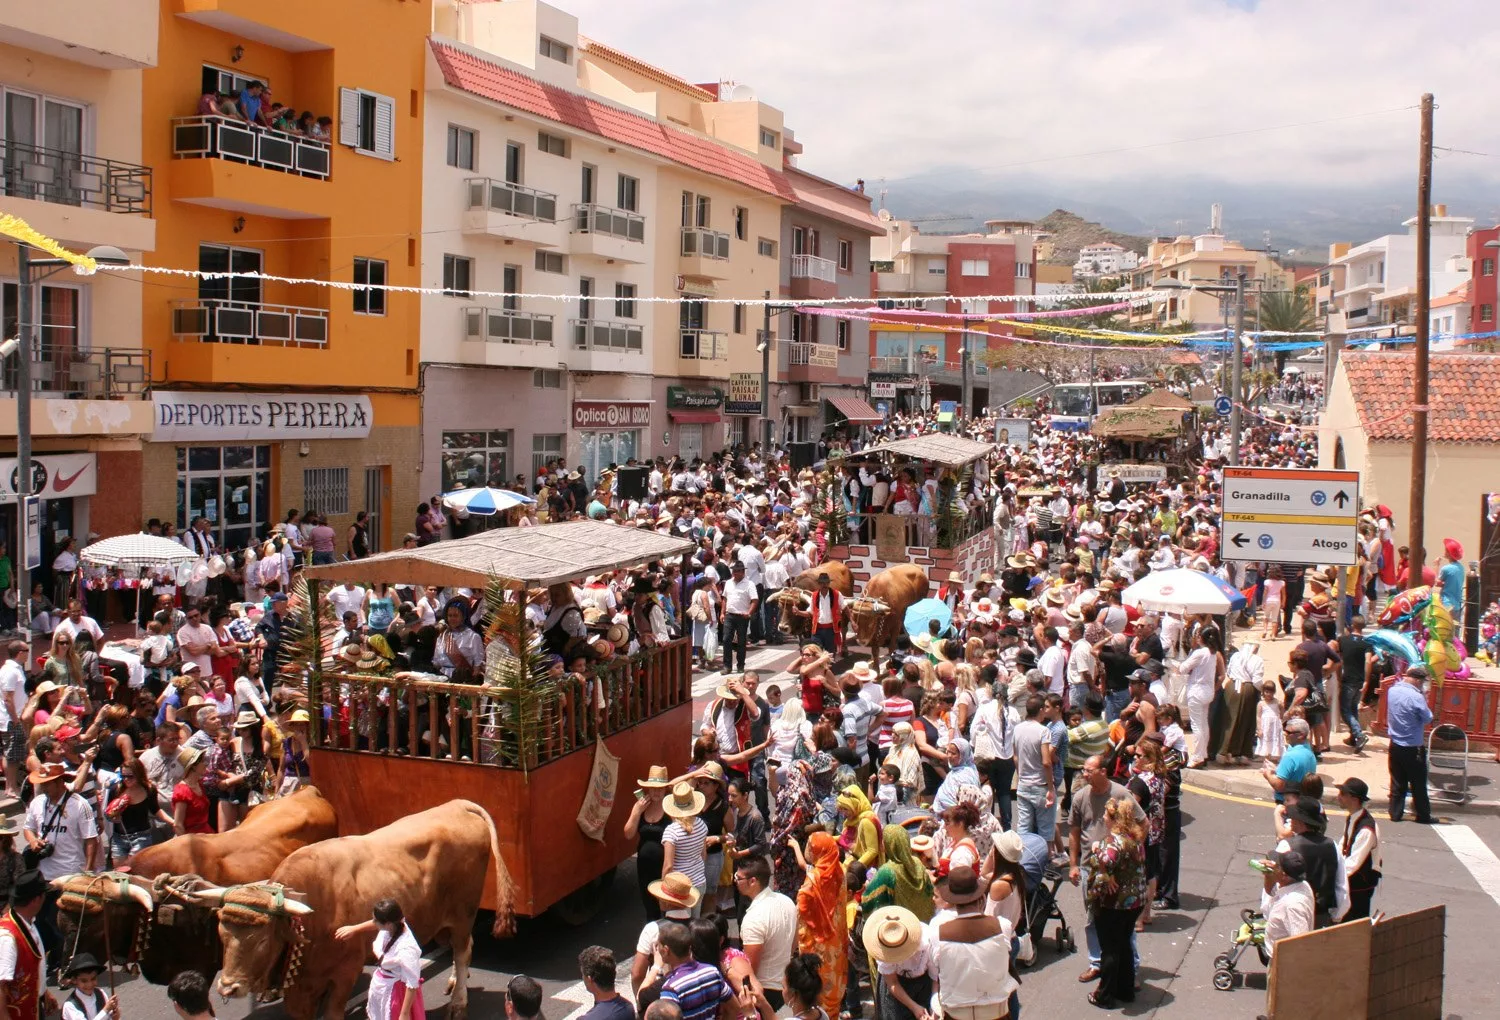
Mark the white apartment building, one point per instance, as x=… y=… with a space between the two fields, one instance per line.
x=1104 y=259
x=1380 y=276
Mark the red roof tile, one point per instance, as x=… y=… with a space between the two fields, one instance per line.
x=1463 y=395
x=465 y=71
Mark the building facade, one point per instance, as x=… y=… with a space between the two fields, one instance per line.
x=1104 y=259
x=1380 y=276
x=70 y=89
x=1207 y=259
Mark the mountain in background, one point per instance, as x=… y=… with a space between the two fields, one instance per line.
x=1297 y=220
x=1071 y=232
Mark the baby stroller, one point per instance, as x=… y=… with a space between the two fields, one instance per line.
x=1251 y=932
x=1043 y=880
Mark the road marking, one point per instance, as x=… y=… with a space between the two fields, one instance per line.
x=1474 y=855
x=1216 y=795
x=761 y=658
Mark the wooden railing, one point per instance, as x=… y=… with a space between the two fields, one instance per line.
x=470 y=723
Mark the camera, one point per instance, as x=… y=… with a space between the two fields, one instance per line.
x=34 y=856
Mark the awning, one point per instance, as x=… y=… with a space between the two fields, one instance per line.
x=856 y=410
x=695 y=417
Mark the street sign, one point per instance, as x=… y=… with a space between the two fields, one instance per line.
x=1290 y=515
x=1223 y=405
x=31 y=531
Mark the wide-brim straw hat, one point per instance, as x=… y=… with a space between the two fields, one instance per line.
x=1018 y=562
x=675 y=888
x=656 y=779
x=684 y=802
x=47 y=772
x=893 y=934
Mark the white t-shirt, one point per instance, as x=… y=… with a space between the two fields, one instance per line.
x=12 y=691
x=67 y=834
x=85 y=625
x=771 y=922
x=650 y=935
x=1081 y=663
x=202 y=634
x=348 y=600
x=1054 y=665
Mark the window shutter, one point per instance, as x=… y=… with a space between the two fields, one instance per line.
x=349 y=117
x=385 y=127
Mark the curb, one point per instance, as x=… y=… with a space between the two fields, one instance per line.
x=1241 y=786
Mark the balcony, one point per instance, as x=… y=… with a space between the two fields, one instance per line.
x=813 y=278
x=910 y=283
x=898 y=364
x=62 y=370
x=810 y=362
x=213 y=320
x=77 y=197
x=224 y=163
x=508 y=337
x=704 y=254
x=599 y=231
x=512 y=213
x=601 y=345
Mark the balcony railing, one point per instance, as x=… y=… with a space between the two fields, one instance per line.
x=71 y=178
x=515 y=199
x=115 y=373
x=895 y=365
x=701 y=241
x=589 y=218
x=214 y=320
x=507 y=326
x=604 y=335
x=704 y=345
x=813 y=355
x=812 y=267
x=214 y=137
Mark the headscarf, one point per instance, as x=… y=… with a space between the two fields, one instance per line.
x=913 y=884
x=822 y=925
x=905 y=756
x=982 y=834
x=861 y=835
x=826 y=787
x=963 y=773
x=795 y=810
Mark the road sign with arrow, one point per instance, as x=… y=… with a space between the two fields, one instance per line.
x=1290 y=515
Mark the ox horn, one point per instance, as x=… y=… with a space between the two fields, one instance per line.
x=210 y=895
x=297 y=908
x=141 y=896
x=61 y=881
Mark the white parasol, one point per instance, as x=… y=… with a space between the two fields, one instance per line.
x=137 y=552
x=1183 y=591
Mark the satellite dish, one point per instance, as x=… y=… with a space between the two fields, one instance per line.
x=884 y=216
x=735 y=92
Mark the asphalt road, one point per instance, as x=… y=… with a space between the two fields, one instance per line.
x=1454 y=863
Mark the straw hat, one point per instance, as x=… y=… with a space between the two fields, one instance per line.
x=1018 y=562
x=685 y=802
x=864 y=672
x=1054 y=597
x=713 y=770
x=47 y=772
x=656 y=779
x=248 y=718
x=299 y=715
x=45 y=687
x=675 y=888
x=921 y=844
x=893 y=934
x=189 y=756
x=1009 y=846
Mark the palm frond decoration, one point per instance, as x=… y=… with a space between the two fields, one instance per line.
x=952 y=511
x=519 y=714
x=303 y=646
x=828 y=509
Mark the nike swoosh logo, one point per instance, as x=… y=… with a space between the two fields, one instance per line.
x=61 y=484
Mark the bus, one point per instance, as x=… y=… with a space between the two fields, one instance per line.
x=1076 y=405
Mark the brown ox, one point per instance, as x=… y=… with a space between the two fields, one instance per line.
x=431 y=863
x=798 y=596
x=182 y=934
x=878 y=614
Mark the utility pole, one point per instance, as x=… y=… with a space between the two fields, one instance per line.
x=963 y=368
x=1414 y=541
x=23 y=435
x=765 y=378
x=1237 y=352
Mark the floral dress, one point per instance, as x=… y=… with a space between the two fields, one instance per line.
x=1155 y=788
x=1117 y=874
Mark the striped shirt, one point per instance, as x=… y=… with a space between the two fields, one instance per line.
x=1085 y=740
x=687 y=855
x=697 y=988
x=897 y=710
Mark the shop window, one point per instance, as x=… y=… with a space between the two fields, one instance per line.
x=228 y=485
x=598 y=450
x=543 y=449
x=475 y=459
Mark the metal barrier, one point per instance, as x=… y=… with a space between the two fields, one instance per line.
x=109 y=374
x=73 y=178
x=1471 y=705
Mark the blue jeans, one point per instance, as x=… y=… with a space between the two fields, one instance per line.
x=1114 y=704
x=1349 y=709
x=1076 y=695
x=1033 y=814
x=1091 y=936
x=123 y=844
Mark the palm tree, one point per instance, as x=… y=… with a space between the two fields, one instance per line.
x=1286 y=311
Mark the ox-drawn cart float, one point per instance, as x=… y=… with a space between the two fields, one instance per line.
x=385 y=746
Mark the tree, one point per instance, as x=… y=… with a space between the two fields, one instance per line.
x=1286 y=311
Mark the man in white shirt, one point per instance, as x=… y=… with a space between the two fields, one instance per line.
x=13 y=700
x=740 y=601
x=64 y=819
x=1053 y=662
x=196 y=639
x=348 y=598
x=76 y=623
x=1081 y=666
x=1288 y=900
x=769 y=930
x=160 y=760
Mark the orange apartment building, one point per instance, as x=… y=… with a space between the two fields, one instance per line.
x=271 y=395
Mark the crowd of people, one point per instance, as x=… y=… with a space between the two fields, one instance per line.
x=253 y=105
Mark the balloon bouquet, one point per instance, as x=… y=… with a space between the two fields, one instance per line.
x=1417 y=628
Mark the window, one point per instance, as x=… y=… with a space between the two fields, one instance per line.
x=1023 y=270
x=974 y=267
x=739 y=317
x=367 y=122
x=767 y=247
x=217 y=79
x=513 y=151
x=550 y=262
x=554 y=144
x=703 y=210
x=475 y=459
x=627 y=191
x=543 y=449
x=586 y=184
x=768 y=138
x=687 y=208
x=458 y=275
x=1324 y=278
x=1487 y=267
x=57 y=310
x=846 y=255
x=510 y=282
x=937 y=267
x=799 y=241
x=369 y=273
x=229 y=485
x=34 y=121
x=1486 y=313
x=460 y=147
x=546 y=378
x=805 y=328
x=624 y=300
x=842 y=333
x=554 y=50
x=326 y=490
x=598 y=450
x=741 y=222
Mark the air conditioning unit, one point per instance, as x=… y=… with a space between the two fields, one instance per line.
x=810 y=392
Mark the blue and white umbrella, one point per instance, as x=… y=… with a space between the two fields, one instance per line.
x=919 y=614
x=485 y=501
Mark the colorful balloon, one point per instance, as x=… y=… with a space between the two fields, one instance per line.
x=1393 y=642
x=1404 y=606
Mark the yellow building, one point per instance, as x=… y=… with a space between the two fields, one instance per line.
x=273 y=395
x=1208 y=259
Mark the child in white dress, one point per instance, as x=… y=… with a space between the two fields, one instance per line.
x=1269 y=743
x=886 y=793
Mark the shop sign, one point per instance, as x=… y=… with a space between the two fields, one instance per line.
x=901 y=381
x=232 y=417
x=882 y=389
x=680 y=398
x=611 y=414
x=53 y=476
x=744 y=394
x=1135 y=474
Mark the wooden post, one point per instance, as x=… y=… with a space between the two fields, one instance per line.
x=523 y=654
x=1415 y=541
x=315 y=668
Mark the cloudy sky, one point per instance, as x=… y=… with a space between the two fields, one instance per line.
x=945 y=87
